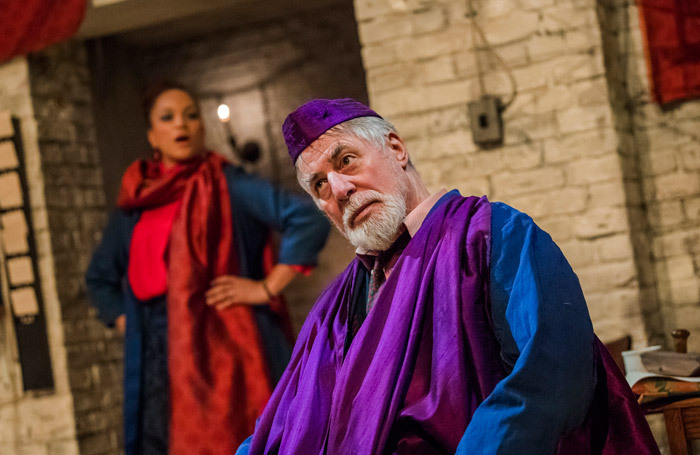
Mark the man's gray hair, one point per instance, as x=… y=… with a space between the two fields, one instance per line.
x=372 y=129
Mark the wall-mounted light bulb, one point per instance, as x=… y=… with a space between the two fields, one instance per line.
x=223 y=112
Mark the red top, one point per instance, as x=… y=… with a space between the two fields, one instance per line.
x=149 y=240
x=147 y=269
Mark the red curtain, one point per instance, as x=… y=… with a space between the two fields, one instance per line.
x=31 y=25
x=673 y=47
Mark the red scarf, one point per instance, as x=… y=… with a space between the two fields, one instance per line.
x=219 y=382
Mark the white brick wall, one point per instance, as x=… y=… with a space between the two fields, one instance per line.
x=33 y=423
x=612 y=177
x=560 y=160
x=665 y=143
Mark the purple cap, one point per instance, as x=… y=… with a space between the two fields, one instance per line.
x=309 y=121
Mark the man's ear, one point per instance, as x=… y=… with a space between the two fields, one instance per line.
x=398 y=147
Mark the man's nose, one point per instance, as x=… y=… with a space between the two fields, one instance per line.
x=341 y=185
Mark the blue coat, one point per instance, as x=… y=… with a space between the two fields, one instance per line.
x=257 y=207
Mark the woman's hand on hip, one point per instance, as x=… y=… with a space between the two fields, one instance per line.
x=227 y=290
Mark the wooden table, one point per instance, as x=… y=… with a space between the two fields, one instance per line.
x=682 y=424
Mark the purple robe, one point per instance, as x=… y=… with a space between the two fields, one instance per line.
x=423 y=361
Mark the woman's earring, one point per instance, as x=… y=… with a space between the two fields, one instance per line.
x=156 y=155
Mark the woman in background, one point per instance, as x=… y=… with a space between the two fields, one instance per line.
x=181 y=272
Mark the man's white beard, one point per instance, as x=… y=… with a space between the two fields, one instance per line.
x=380 y=229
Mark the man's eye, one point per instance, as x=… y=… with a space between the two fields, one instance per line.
x=318 y=186
x=346 y=160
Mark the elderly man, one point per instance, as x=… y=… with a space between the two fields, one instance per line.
x=459 y=328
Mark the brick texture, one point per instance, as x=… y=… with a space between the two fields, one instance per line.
x=664 y=144
x=560 y=161
x=75 y=210
x=41 y=423
x=610 y=175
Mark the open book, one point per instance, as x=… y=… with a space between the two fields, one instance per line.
x=650 y=387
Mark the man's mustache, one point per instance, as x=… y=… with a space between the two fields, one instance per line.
x=356 y=202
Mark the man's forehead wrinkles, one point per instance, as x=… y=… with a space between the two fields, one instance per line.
x=317 y=155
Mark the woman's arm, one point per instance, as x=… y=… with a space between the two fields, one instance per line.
x=106 y=270
x=302 y=227
x=229 y=289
